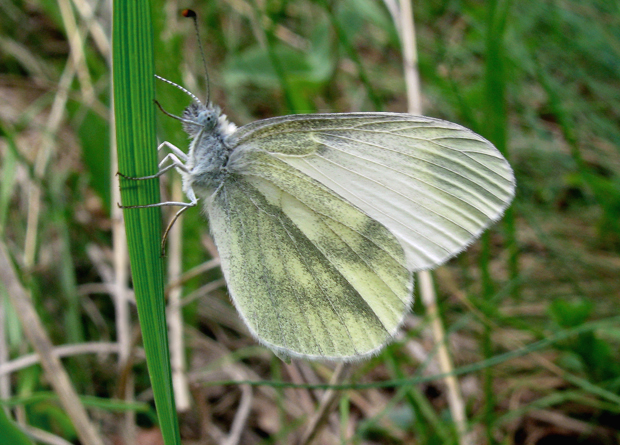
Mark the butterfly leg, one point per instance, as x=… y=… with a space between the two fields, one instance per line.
x=174 y=149
x=190 y=195
x=170 y=224
x=174 y=162
x=156 y=175
x=185 y=206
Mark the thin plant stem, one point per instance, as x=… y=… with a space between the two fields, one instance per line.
x=427 y=292
x=328 y=403
x=174 y=311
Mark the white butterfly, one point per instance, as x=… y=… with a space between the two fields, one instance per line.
x=320 y=220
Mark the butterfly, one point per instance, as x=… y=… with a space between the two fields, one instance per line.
x=321 y=220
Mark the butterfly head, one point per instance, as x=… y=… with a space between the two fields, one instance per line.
x=206 y=119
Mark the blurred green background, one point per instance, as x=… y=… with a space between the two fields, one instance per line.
x=540 y=79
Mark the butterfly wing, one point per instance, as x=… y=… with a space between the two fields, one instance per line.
x=433 y=184
x=311 y=275
x=323 y=217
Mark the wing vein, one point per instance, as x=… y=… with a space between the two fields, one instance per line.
x=381 y=211
x=306 y=178
x=228 y=207
x=408 y=154
x=331 y=304
x=370 y=267
x=452 y=207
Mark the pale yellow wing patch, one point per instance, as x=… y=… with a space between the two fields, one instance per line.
x=311 y=275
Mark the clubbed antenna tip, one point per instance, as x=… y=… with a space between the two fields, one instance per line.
x=189 y=13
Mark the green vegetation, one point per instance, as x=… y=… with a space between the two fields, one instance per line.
x=532 y=309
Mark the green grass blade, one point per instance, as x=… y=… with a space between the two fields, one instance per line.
x=136 y=139
x=496 y=130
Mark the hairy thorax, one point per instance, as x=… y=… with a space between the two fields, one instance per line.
x=209 y=151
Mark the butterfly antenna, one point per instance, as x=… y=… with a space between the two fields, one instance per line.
x=180 y=88
x=191 y=14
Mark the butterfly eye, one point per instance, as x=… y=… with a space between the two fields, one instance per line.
x=206 y=117
x=209 y=121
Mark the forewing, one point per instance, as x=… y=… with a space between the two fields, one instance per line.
x=310 y=274
x=434 y=184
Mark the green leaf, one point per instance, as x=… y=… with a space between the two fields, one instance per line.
x=569 y=314
x=10 y=433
